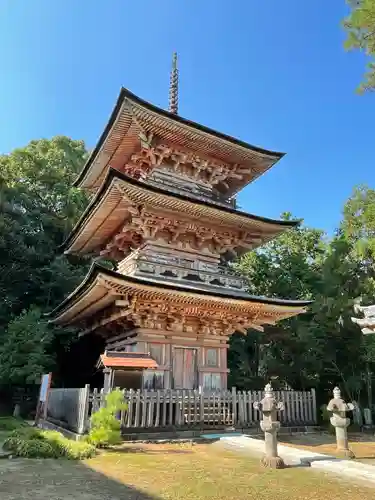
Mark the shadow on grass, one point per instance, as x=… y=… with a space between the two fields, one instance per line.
x=112 y=488
x=62 y=480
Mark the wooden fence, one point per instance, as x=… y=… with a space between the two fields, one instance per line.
x=182 y=409
x=148 y=409
x=69 y=408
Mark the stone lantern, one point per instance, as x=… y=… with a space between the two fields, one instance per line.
x=367 y=326
x=340 y=422
x=270 y=425
x=367 y=323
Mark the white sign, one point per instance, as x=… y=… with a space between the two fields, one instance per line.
x=44 y=388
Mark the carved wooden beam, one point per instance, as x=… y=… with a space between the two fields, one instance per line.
x=153 y=154
x=104 y=321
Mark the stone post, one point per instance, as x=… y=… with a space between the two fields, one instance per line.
x=269 y=425
x=340 y=422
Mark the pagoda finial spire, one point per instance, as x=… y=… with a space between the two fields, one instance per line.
x=173 y=86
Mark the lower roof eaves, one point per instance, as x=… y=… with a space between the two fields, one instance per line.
x=101 y=287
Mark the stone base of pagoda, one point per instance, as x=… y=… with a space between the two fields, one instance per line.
x=184 y=361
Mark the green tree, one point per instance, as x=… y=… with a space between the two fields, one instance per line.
x=38 y=207
x=288 y=267
x=42 y=173
x=322 y=347
x=360 y=27
x=245 y=359
x=24 y=353
x=358 y=225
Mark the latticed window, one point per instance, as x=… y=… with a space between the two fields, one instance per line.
x=157 y=352
x=212 y=358
x=211 y=381
x=153 y=379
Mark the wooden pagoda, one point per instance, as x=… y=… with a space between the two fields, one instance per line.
x=163 y=208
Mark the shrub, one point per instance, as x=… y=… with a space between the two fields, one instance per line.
x=11 y=443
x=79 y=450
x=105 y=426
x=27 y=433
x=35 y=448
x=34 y=443
x=11 y=423
x=73 y=450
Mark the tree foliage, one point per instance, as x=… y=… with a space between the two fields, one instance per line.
x=24 y=353
x=360 y=27
x=358 y=224
x=38 y=207
x=322 y=347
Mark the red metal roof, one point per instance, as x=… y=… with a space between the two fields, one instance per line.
x=140 y=362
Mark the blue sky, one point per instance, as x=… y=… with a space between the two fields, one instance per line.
x=272 y=73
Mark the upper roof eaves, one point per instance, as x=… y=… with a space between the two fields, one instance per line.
x=127 y=99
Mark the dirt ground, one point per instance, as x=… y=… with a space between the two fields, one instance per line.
x=363 y=445
x=169 y=472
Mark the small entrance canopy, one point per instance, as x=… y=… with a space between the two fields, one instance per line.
x=125 y=370
x=127 y=360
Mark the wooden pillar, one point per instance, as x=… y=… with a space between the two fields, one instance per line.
x=224 y=381
x=168 y=363
x=201 y=364
x=223 y=364
x=108 y=380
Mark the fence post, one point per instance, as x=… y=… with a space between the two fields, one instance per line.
x=287 y=412
x=101 y=399
x=314 y=413
x=95 y=400
x=83 y=409
x=240 y=417
x=234 y=406
x=201 y=416
x=107 y=380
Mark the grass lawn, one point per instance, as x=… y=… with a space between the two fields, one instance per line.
x=155 y=472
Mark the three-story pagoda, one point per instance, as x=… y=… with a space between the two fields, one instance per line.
x=163 y=208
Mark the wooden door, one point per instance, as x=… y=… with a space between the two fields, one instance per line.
x=190 y=369
x=184 y=368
